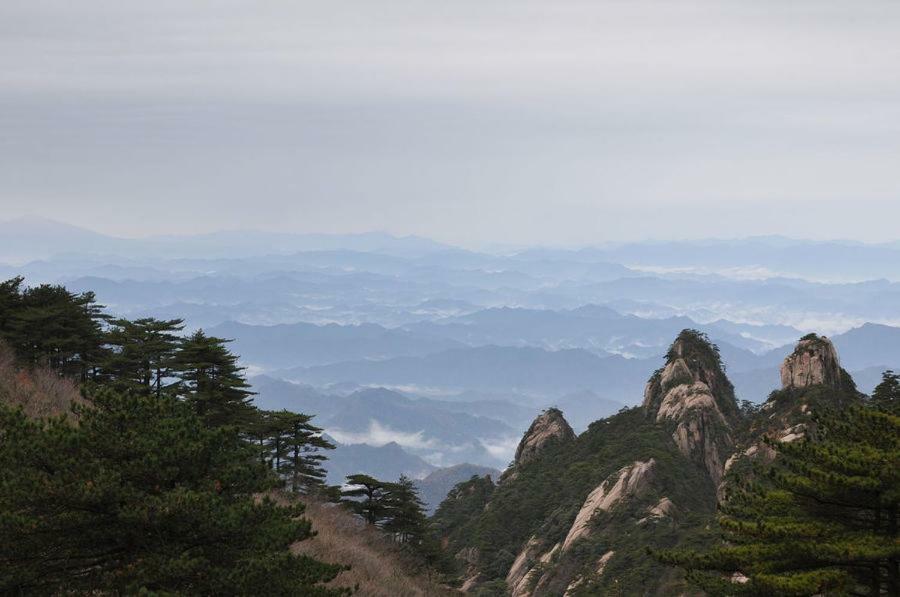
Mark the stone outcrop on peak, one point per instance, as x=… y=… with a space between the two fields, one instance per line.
x=693 y=392
x=692 y=360
x=813 y=362
x=550 y=426
x=627 y=482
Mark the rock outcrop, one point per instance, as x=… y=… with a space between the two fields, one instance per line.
x=522 y=575
x=528 y=575
x=549 y=427
x=813 y=362
x=629 y=481
x=693 y=392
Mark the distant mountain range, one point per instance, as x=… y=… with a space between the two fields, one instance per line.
x=442 y=432
x=543 y=372
x=304 y=344
x=470 y=345
x=31 y=238
x=489 y=368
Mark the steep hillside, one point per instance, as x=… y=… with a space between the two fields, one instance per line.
x=575 y=515
x=378 y=568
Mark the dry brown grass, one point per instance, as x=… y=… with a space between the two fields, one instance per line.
x=377 y=567
x=40 y=392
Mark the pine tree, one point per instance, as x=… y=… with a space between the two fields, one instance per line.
x=49 y=326
x=141 y=496
x=886 y=396
x=142 y=353
x=822 y=520
x=211 y=381
x=304 y=444
x=10 y=302
x=275 y=430
x=368 y=498
x=406 y=518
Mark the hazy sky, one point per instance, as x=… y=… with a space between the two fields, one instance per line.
x=468 y=121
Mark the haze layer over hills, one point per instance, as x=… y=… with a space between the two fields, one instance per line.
x=416 y=355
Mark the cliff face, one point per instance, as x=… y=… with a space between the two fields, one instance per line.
x=692 y=394
x=813 y=362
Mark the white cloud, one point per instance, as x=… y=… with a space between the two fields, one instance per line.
x=379 y=435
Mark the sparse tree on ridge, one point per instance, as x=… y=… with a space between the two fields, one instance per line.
x=368 y=498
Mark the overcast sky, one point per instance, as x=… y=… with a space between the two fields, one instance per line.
x=472 y=121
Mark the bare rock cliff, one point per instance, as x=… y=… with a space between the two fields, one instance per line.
x=813 y=362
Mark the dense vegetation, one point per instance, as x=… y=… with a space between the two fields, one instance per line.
x=545 y=496
x=823 y=519
x=159 y=475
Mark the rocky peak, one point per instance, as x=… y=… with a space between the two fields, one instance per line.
x=813 y=362
x=693 y=365
x=693 y=392
x=548 y=427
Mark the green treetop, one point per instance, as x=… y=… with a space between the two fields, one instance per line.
x=49 y=326
x=886 y=396
x=211 y=381
x=142 y=353
x=368 y=498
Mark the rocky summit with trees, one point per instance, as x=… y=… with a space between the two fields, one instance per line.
x=694 y=493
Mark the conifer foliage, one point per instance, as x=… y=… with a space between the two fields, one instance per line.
x=142 y=354
x=142 y=495
x=395 y=507
x=50 y=326
x=294 y=448
x=157 y=483
x=212 y=382
x=822 y=520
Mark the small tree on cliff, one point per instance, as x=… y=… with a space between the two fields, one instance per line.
x=823 y=519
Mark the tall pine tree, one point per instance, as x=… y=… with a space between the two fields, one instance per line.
x=49 y=326
x=211 y=381
x=142 y=353
x=304 y=444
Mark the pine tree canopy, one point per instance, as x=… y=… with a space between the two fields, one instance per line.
x=212 y=382
x=142 y=353
x=821 y=520
x=139 y=494
x=50 y=326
